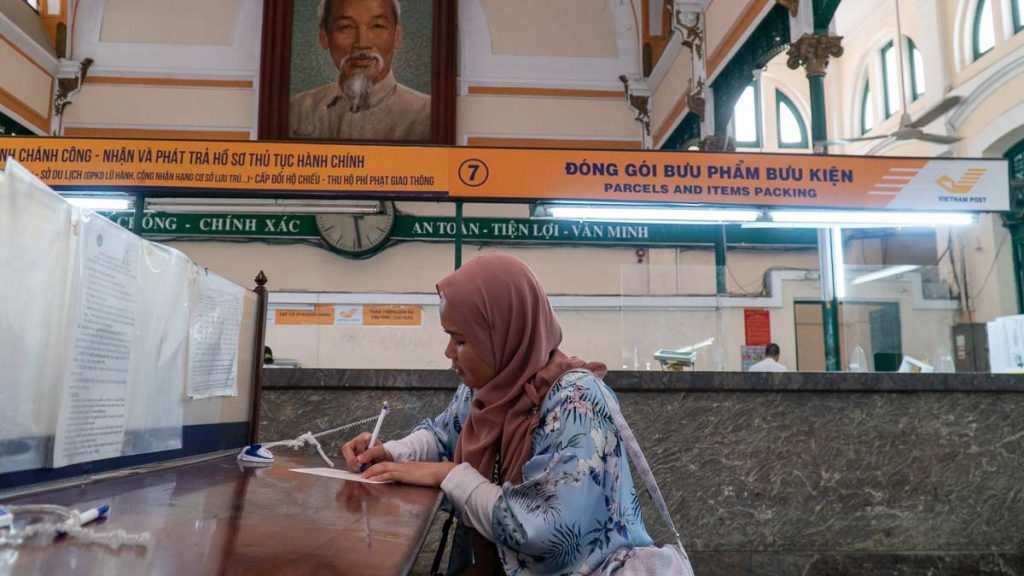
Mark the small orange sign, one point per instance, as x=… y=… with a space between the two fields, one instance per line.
x=321 y=314
x=757 y=325
x=392 y=315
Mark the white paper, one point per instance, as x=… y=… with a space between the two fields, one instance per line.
x=214 y=329
x=339 y=474
x=91 y=420
x=1006 y=344
x=36 y=252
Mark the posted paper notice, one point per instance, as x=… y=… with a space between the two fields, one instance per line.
x=213 y=337
x=91 y=420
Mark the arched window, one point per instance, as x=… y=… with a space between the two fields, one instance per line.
x=890 y=80
x=1017 y=6
x=984 y=28
x=916 y=71
x=867 y=109
x=746 y=117
x=792 y=130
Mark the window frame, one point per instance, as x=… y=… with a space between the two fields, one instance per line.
x=758 y=141
x=782 y=100
x=865 y=101
x=976 y=26
x=889 y=113
x=915 y=93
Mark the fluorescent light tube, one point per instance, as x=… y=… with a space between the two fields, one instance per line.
x=100 y=203
x=884 y=273
x=697 y=346
x=871 y=218
x=838 y=263
x=252 y=206
x=647 y=214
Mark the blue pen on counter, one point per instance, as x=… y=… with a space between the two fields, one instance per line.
x=90 y=515
x=376 y=431
x=6 y=518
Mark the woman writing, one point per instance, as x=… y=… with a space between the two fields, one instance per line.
x=526 y=452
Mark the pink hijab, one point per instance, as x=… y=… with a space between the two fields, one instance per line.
x=501 y=309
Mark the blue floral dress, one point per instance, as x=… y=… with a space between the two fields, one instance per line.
x=576 y=504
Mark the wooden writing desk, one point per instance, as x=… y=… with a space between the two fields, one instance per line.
x=212 y=517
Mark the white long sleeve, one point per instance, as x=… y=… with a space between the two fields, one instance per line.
x=420 y=446
x=473 y=496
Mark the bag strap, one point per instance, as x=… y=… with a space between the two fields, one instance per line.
x=637 y=456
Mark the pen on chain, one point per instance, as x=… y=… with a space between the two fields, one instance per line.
x=90 y=515
x=376 y=432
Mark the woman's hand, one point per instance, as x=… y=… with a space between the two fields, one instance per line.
x=355 y=453
x=417 y=473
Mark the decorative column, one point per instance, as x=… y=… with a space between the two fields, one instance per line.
x=812 y=51
x=688 y=22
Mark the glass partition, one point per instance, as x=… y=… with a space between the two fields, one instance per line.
x=912 y=300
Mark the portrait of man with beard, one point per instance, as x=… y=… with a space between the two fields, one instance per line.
x=365 y=102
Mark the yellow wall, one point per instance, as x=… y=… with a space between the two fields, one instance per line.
x=570 y=118
x=538 y=28
x=26 y=88
x=163 y=106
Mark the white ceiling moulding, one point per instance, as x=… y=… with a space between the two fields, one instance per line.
x=241 y=59
x=41 y=55
x=270 y=206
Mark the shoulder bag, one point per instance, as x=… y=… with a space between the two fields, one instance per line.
x=645 y=560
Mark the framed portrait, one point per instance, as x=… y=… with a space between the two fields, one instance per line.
x=367 y=71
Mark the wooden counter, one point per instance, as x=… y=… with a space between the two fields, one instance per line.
x=213 y=517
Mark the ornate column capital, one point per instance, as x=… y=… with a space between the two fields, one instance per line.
x=688 y=24
x=70 y=76
x=813 y=51
x=638 y=97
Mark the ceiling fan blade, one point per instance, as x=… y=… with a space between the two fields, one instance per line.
x=936 y=111
x=866 y=138
x=938 y=138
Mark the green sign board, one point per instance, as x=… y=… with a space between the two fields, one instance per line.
x=489 y=230
x=236 y=225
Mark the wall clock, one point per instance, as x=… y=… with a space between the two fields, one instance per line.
x=357 y=235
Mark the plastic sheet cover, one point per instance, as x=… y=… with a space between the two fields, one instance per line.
x=157 y=374
x=36 y=255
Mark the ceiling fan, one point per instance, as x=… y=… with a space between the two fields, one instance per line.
x=911 y=129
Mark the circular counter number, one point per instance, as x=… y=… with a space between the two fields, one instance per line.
x=473 y=172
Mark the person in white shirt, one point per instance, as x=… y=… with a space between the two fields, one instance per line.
x=770 y=362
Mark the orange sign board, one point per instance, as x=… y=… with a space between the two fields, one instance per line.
x=744 y=179
x=321 y=314
x=77 y=163
x=803 y=180
x=392 y=315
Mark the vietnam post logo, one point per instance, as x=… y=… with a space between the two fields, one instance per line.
x=965 y=184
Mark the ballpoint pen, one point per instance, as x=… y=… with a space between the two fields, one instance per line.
x=90 y=515
x=376 y=431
